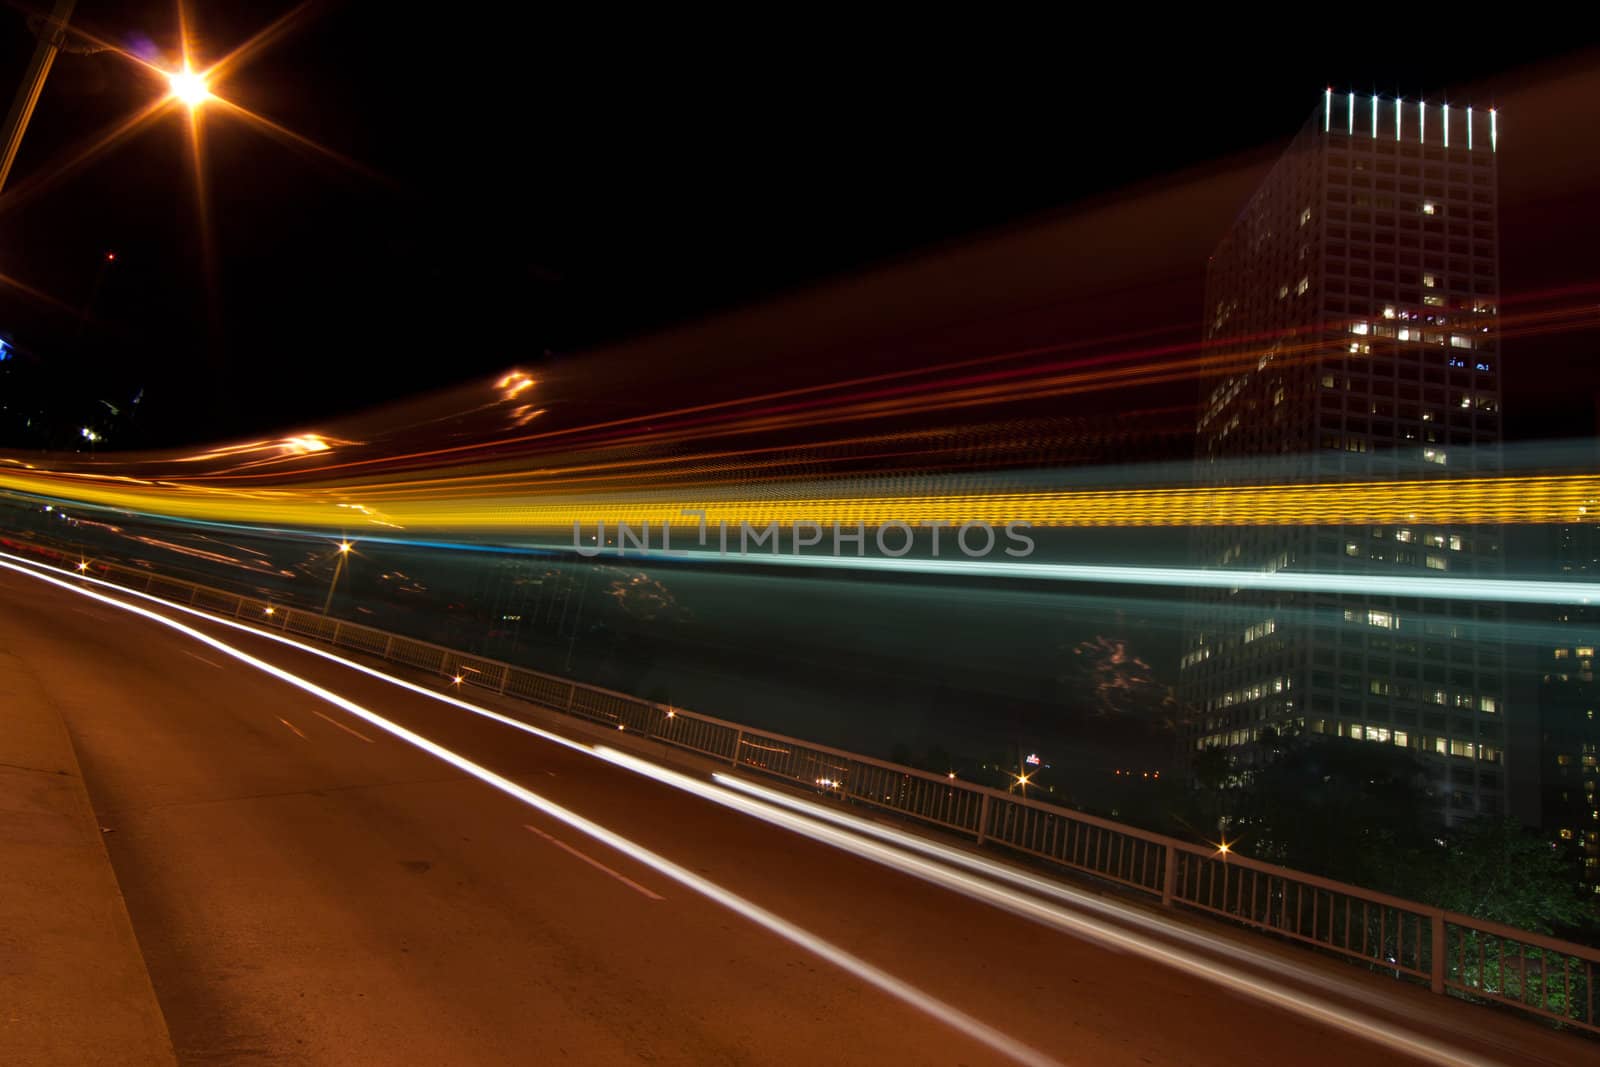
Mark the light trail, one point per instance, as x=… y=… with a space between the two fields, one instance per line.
x=1031 y=908
x=903 y=991
x=975 y=888
x=1465 y=501
x=1003 y=872
x=1508 y=590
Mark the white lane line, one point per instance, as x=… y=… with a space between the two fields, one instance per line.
x=591 y=861
x=903 y=991
x=347 y=729
x=202 y=659
x=295 y=728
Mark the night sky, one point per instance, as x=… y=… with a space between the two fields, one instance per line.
x=519 y=184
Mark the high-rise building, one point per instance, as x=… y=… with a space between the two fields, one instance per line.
x=1351 y=317
x=1555 y=690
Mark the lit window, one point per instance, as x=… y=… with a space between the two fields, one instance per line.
x=1403 y=535
x=1433 y=301
x=1358 y=327
x=1561 y=653
x=1305 y=283
x=1352 y=549
x=1460 y=341
x=1388 y=311
x=1427 y=208
x=1305 y=216
x=1488 y=704
x=1455 y=542
x=1584 y=653
x=1400 y=738
x=1408 y=335
x=1429 y=281
x=1433 y=455
x=1381 y=618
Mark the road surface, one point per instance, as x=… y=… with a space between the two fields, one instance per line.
x=308 y=888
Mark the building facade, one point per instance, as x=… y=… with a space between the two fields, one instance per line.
x=1351 y=330
x=1554 y=679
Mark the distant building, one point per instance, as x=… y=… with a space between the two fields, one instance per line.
x=1554 y=680
x=1350 y=316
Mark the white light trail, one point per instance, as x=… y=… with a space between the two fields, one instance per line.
x=1004 y=872
x=1510 y=590
x=1028 y=907
x=903 y=991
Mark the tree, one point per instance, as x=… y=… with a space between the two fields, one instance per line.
x=1343 y=808
x=1495 y=869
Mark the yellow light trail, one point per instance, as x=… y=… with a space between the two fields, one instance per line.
x=1434 y=501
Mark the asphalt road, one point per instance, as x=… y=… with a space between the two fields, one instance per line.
x=307 y=888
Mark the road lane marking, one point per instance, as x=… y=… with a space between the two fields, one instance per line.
x=295 y=728
x=202 y=659
x=347 y=729
x=591 y=861
x=882 y=980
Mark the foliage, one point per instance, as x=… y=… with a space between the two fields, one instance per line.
x=1495 y=869
x=1363 y=813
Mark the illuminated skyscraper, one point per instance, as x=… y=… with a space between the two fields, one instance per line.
x=1351 y=321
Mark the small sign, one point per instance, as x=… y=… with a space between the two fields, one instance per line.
x=1033 y=760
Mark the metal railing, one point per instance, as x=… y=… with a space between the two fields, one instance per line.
x=1452 y=953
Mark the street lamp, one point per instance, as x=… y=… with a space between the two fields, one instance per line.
x=338 y=569
x=188 y=88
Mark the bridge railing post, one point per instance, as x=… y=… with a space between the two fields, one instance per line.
x=1169 y=876
x=983 y=819
x=1436 y=971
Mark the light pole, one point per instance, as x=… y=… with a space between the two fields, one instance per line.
x=578 y=618
x=338 y=569
x=52 y=34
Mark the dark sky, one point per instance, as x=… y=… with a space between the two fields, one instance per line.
x=528 y=184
